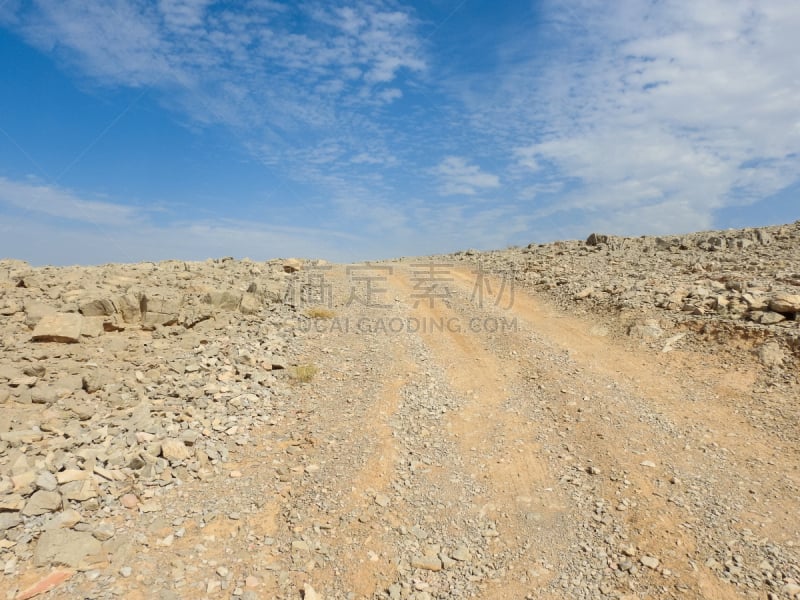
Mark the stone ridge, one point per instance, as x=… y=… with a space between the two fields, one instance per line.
x=714 y=285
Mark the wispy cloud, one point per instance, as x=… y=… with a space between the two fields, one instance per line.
x=248 y=65
x=458 y=177
x=69 y=229
x=659 y=114
x=53 y=201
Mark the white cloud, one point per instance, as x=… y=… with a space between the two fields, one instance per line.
x=526 y=157
x=661 y=111
x=183 y=14
x=246 y=65
x=52 y=201
x=67 y=229
x=531 y=192
x=458 y=177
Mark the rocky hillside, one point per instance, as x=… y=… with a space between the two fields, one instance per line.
x=120 y=379
x=733 y=288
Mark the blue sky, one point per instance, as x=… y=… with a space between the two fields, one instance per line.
x=144 y=130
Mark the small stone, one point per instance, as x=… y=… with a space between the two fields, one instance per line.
x=771 y=318
x=126 y=571
x=11 y=503
x=650 y=562
x=175 y=450
x=300 y=546
x=23 y=482
x=429 y=563
x=447 y=562
x=21 y=436
x=80 y=490
x=49 y=582
x=41 y=503
x=461 y=554
x=129 y=501
x=104 y=531
x=382 y=500
x=223 y=572
x=648 y=463
x=46 y=481
x=309 y=593
x=70 y=475
x=64 y=520
x=9 y=520
x=150 y=506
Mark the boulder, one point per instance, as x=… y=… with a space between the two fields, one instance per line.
x=596 y=238
x=65 y=547
x=34 y=311
x=129 y=306
x=59 y=327
x=250 y=305
x=160 y=311
x=175 y=450
x=224 y=300
x=292 y=265
x=41 y=503
x=98 y=308
x=785 y=303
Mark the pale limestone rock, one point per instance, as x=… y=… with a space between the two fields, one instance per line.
x=59 y=327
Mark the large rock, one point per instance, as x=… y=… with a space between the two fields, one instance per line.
x=98 y=308
x=785 y=303
x=65 y=547
x=34 y=311
x=42 y=503
x=596 y=238
x=59 y=327
x=130 y=307
x=80 y=490
x=251 y=304
x=224 y=300
x=9 y=520
x=292 y=265
x=175 y=450
x=160 y=311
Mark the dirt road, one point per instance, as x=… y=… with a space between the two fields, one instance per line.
x=461 y=439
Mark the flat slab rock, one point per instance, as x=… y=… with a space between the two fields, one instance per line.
x=59 y=327
x=65 y=547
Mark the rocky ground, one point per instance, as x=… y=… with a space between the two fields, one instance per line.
x=609 y=418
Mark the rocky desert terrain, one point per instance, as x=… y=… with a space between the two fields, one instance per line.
x=603 y=418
